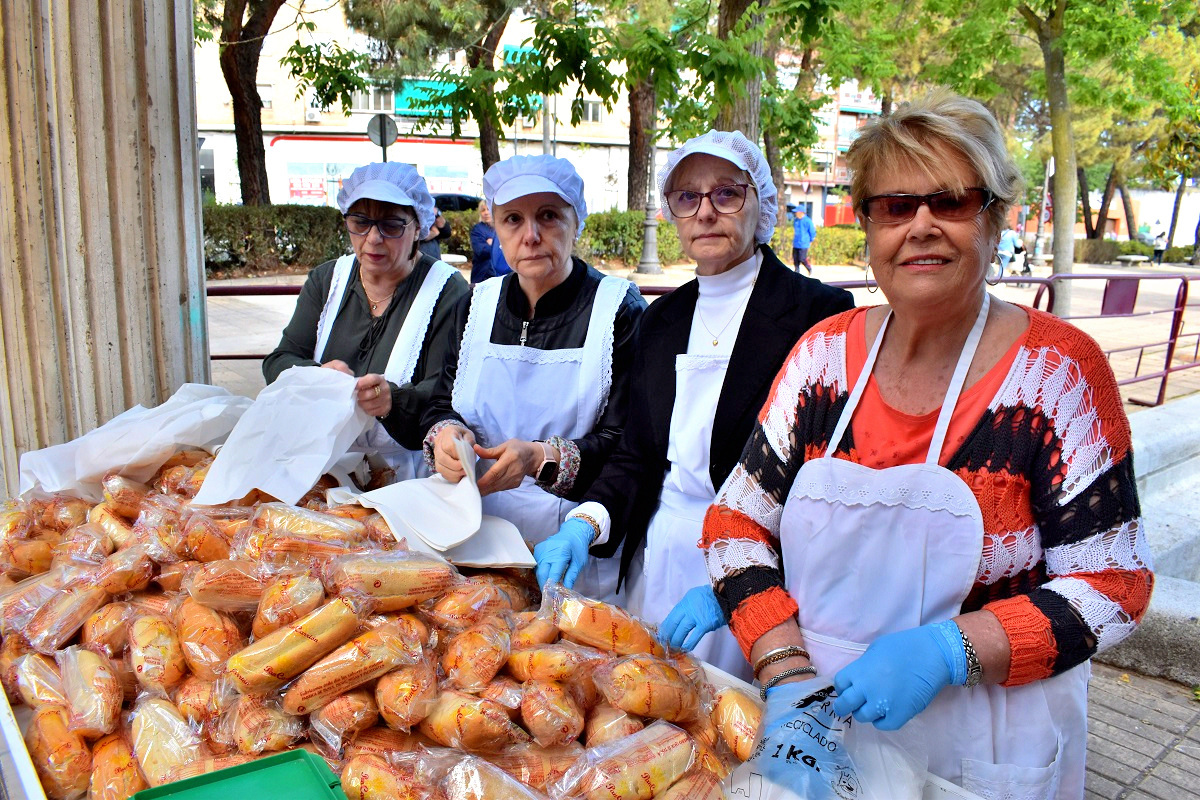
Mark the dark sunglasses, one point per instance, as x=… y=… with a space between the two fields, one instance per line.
x=892 y=209
x=391 y=228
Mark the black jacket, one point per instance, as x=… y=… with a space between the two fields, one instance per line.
x=782 y=307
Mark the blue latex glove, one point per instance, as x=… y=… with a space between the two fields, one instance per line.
x=691 y=618
x=561 y=557
x=801 y=745
x=900 y=674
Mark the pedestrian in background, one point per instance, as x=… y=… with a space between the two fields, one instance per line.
x=488 y=259
x=804 y=233
x=1160 y=246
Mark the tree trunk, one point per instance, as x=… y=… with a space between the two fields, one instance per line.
x=1175 y=210
x=641 y=148
x=1089 y=229
x=742 y=114
x=771 y=152
x=1127 y=201
x=489 y=127
x=241 y=46
x=1110 y=186
x=1196 y=246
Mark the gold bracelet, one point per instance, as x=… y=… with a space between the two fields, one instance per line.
x=590 y=521
x=779 y=654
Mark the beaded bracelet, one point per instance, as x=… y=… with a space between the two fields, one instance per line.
x=779 y=654
x=787 y=673
x=590 y=521
x=974 y=668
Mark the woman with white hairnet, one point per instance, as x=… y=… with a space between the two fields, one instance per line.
x=536 y=376
x=706 y=356
x=379 y=313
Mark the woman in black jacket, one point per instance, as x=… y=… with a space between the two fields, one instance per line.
x=706 y=357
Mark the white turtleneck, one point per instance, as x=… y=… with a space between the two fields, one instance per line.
x=720 y=307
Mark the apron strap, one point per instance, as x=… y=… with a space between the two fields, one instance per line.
x=476 y=335
x=406 y=350
x=956 y=382
x=859 y=387
x=338 y=286
x=599 y=342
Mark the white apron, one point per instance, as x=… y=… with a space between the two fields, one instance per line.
x=402 y=362
x=674 y=562
x=510 y=391
x=868 y=552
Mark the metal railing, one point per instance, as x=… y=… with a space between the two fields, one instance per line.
x=1119 y=300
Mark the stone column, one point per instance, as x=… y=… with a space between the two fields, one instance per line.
x=101 y=267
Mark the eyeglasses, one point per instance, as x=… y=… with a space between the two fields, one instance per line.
x=892 y=209
x=729 y=199
x=391 y=228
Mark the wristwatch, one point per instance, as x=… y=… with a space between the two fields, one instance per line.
x=547 y=472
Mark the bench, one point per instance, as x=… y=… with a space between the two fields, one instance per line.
x=1132 y=259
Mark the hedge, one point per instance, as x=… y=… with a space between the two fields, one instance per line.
x=1134 y=248
x=1096 y=251
x=278 y=238
x=837 y=245
x=1180 y=255
x=615 y=238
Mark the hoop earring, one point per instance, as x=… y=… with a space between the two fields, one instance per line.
x=999 y=273
x=867 y=280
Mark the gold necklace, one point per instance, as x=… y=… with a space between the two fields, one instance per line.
x=375 y=303
x=717 y=336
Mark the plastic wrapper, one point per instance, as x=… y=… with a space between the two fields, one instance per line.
x=551 y=714
x=160 y=529
x=115 y=771
x=20 y=558
x=291 y=549
x=394 y=581
x=287 y=519
x=606 y=724
x=342 y=717
x=384 y=742
x=697 y=784
x=414 y=628
x=57 y=622
x=507 y=692
x=16 y=519
x=207 y=765
x=533 y=630
x=636 y=768
x=86 y=544
x=233 y=585
x=601 y=625
x=520 y=593
x=362 y=659
x=127 y=570
x=649 y=687
x=277 y=658
x=154 y=603
x=537 y=766
x=378 y=532
x=119 y=531
x=207 y=638
x=61 y=757
x=156 y=653
x=372 y=777
x=170 y=577
x=38 y=681
x=93 y=691
x=553 y=662
x=468 y=601
x=475 y=779
x=470 y=723
x=202 y=702
x=472 y=658
x=19 y=603
x=407 y=694
x=737 y=716
x=15 y=645
x=204 y=539
x=62 y=512
x=162 y=739
x=287 y=598
x=688 y=665
x=123 y=495
x=258 y=725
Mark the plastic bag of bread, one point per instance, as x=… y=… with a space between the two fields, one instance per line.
x=598 y=624
x=407 y=694
x=19 y=603
x=258 y=724
x=124 y=496
x=207 y=765
x=293 y=549
x=466 y=602
x=93 y=691
x=534 y=765
x=127 y=570
x=368 y=776
x=737 y=716
x=649 y=687
x=362 y=659
x=162 y=739
x=286 y=598
x=233 y=585
x=204 y=539
x=553 y=662
x=86 y=544
x=62 y=512
x=20 y=558
x=159 y=529
x=16 y=519
x=394 y=580
x=507 y=692
x=115 y=771
x=280 y=656
x=470 y=723
x=204 y=703
x=473 y=778
x=533 y=630
x=61 y=757
x=384 y=742
x=154 y=603
x=474 y=656
x=207 y=638
x=118 y=528
x=57 y=622
x=550 y=713
x=13 y=647
x=38 y=681
x=170 y=577
x=288 y=519
x=696 y=784
x=519 y=586
x=606 y=723
x=156 y=653
x=342 y=717
x=639 y=767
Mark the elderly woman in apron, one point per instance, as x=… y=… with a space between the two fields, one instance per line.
x=937 y=506
x=380 y=313
x=705 y=359
x=536 y=377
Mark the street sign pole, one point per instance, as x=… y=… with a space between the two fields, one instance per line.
x=381 y=130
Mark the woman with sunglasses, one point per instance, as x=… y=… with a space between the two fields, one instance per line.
x=937 y=508
x=705 y=359
x=380 y=313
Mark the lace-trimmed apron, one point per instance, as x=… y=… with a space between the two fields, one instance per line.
x=402 y=362
x=512 y=391
x=868 y=552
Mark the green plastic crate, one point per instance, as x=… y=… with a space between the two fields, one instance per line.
x=296 y=775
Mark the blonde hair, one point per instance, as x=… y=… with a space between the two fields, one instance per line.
x=921 y=132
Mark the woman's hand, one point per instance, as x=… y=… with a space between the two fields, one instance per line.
x=374 y=394
x=340 y=366
x=445 y=456
x=515 y=459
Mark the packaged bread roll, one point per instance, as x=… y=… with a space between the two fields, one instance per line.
x=533 y=630
x=115 y=771
x=407 y=694
x=394 y=580
x=342 y=717
x=639 y=767
x=287 y=598
x=282 y=655
x=284 y=518
x=601 y=625
x=207 y=638
x=38 y=681
x=363 y=659
x=93 y=691
x=737 y=716
x=124 y=496
x=21 y=558
x=127 y=570
x=57 y=622
x=605 y=724
x=383 y=742
x=203 y=702
x=170 y=577
x=550 y=713
x=86 y=544
x=697 y=784
x=156 y=653
x=466 y=602
x=649 y=687
x=61 y=757
x=470 y=723
x=371 y=777
x=473 y=778
x=507 y=692
x=552 y=662
x=118 y=529
x=63 y=512
x=207 y=765
x=13 y=647
x=473 y=657
x=20 y=603
x=233 y=585
x=534 y=765
x=260 y=725
x=161 y=738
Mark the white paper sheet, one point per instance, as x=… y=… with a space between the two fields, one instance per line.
x=297 y=428
x=134 y=443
